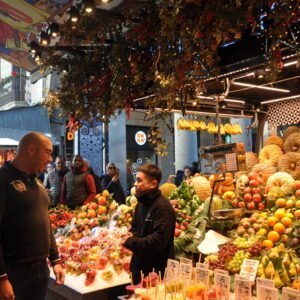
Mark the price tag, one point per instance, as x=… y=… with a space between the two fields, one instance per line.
x=242 y=289
x=202 y=265
x=219 y=271
x=249 y=269
x=222 y=281
x=185 y=272
x=183 y=260
x=202 y=275
x=263 y=282
x=172 y=269
x=290 y=294
x=267 y=293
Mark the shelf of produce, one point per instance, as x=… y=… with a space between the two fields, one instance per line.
x=75 y=288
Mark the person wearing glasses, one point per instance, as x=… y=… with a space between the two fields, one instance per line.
x=111 y=182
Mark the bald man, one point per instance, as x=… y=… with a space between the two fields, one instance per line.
x=26 y=238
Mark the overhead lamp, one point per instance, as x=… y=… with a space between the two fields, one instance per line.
x=257 y=107
x=226 y=99
x=37 y=57
x=279 y=99
x=34 y=46
x=44 y=38
x=260 y=87
x=53 y=29
x=223 y=104
x=194 y=103
x=89 y=6
x=74 y=14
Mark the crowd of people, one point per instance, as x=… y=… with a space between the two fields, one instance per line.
x=78 y=184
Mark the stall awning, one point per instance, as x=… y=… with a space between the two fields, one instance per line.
x=8 y=142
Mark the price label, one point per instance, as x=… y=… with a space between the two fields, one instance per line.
x=267 y=293
x=172 y=269
x=249 y=269
x=202 y=265
x=263 y=282
x=183 y=260
x=202 y=275
x=185 y=272
x=290 y=294
x=242 y=289
x=222 y=281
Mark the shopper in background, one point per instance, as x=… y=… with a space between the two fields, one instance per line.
x=153 y=225
x=195 y=167
x=43 y=176
x=55 y=179
x=26 y=236
x=86 y=163
x=111 y=182
x=78 y=185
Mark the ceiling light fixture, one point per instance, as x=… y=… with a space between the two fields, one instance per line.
x=226 y=99
x=34 y=46
x=74 y=14
x=45 y=38
x=89 y=6
x=280 y=99
x=53 y=29
x=260 y=87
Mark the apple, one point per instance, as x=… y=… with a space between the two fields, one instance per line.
x=297 y=184
x=177 y=225
x=297 y=193
x=261 y=206
x=247 y=190
x=92 y=205
x=256 y=190
x=253 y=183
x=252 y=176
x=241 y=204
x=248 y=197
x=182 y=227
x=251 y=205
x=256 y=198
x=177 y=232
x=102 y=200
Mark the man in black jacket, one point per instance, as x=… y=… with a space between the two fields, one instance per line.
x=153 y=225
x=26 y=238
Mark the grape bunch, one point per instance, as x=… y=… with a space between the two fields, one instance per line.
x=235 y=264
x=255 y=249
x=244 y=243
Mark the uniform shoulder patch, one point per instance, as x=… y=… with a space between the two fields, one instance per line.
x=19 y=185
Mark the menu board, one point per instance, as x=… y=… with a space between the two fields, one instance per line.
x=218 y=159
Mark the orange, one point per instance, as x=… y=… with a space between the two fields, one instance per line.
x=272 y=221
x=297 y=213
x=286 y=221
x=274 y=236
x=279 y=227
x=280 y=202
x=268 y=244
x=290 y=215
x=279 y=213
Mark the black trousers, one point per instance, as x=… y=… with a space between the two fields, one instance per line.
x=29 y=280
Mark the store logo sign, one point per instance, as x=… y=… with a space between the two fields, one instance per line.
x=140 y=138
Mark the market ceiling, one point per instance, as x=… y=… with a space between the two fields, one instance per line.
x=21 y=21
x=242 y=62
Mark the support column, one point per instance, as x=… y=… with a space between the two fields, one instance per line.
x=117 y=145
x=186 y=148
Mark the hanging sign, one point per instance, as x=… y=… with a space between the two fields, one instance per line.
x=140 y=138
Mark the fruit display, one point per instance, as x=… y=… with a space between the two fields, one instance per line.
x=292 y=143
x=99 y=249
x=270 y=154
x=59 y=217
x=223 y=186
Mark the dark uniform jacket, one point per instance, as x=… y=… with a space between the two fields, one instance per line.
x=153 y=229
x=25 y=232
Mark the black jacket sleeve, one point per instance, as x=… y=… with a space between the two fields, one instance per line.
x=3 y=200
x=158 y=239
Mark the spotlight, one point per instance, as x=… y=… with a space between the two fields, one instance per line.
x=223 y=104
x=34 y=46
x=45 y=38
x=74 y=14
x=257 y=107
x=37 y=57
x=89 y=6
x=53 y=30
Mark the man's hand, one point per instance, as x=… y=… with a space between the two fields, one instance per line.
x=59 y=274
x=6 y=290
x=116 y=176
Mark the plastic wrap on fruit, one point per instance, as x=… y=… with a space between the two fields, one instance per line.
x=150 y=280
x=118 y=267
x=90 y=276
x=106 y=275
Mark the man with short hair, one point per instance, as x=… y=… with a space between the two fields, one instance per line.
x=26 y=238
x=153 y=225
x=78 y=185
x=55 y=180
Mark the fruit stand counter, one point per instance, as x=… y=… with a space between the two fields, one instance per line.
x=75 y=289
